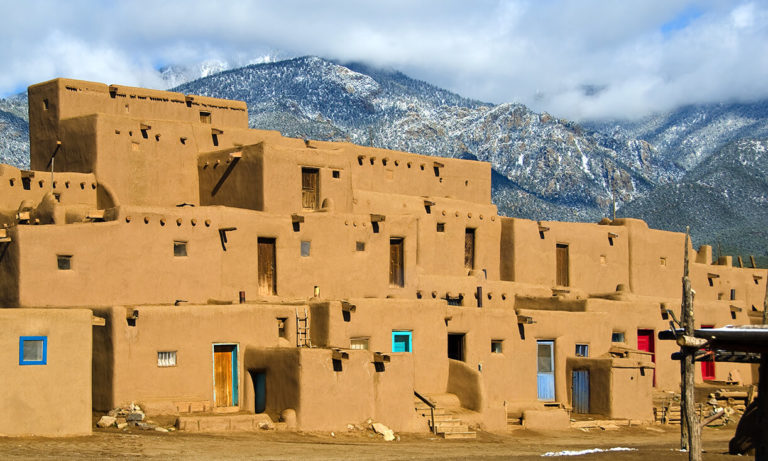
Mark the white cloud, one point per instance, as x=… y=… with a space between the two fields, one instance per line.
x=592 y=58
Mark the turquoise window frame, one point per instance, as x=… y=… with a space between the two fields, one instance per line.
x=43 y=361
x=397 y=346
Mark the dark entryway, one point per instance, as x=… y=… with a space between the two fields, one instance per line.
x=456 y=346
x=259 y=390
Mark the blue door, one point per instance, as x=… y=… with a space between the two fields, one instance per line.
x=260 y=391
x=401 y=341
x=546 y=370
x=580 y=387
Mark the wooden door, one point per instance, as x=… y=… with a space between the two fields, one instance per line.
x=545 y=370
x=267 y=267
x=646 y=342
x=225 y=374
x=469 y=249
x=580 y=394
x=396 y=269
x=310 y=192
x=561 y=275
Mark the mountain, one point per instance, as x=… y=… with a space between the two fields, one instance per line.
x=546 y=168
x=724 y=199
x=690 y=134
x=14 y=131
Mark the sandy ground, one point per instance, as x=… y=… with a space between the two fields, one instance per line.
x=650 y=443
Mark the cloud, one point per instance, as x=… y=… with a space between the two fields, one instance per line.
x=586 y=59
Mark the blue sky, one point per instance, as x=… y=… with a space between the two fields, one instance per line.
x=576 y=59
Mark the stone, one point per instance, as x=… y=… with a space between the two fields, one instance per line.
x=388 y=433
x=135 y=417
x=122 y=425
x=106 y=421
x=161 y=429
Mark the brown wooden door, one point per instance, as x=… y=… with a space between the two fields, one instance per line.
x=469 y=249
x=222 y=375
x=396 y=269
x=561 y=276
x=267 y=267
x=310 y=193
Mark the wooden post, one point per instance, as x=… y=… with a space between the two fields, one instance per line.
x=761 y=438
x=688 y=407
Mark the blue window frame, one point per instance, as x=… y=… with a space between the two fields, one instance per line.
x=401 y=340
x=33 y=350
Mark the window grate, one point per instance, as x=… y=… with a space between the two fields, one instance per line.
x=166 y=359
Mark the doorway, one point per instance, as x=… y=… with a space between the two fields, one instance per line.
x=259 y=379
x=396 y=270
x=225 y=382
x=545 y=370
x=580 y=391
x=561 y=270
x=469 y=249
x=267 y=266
x=646 y=342
x=456 y=346
x=310 y=192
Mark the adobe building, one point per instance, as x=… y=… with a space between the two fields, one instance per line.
x=231 y=271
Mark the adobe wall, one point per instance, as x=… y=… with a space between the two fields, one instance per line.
x=60 y=99
x=51 y=399
x=132 y=351
x=72 y=189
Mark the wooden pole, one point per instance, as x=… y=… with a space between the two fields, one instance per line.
x=688 y=406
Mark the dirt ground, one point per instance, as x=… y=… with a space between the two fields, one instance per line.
x=649 y=443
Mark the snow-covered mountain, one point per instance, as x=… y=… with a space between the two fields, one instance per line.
x=667 y=168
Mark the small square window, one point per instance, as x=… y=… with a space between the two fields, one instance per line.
x=64 y=262
x=45 y=104
x=166 y=358
x=663 y=261
x=359 y=246
x=281 y=323
x=401 y=341
x=215 y=139
x=359 y=343
x=305 y=246
x=336 y=174
x=497 y=346
x=205 y=117
x=33 y=350
x=179 y=248
x=441 y=227
x=617 y=337
x=582 y=350
x=603 y=260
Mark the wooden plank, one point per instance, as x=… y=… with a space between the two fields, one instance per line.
x=561 y=276
x=222 y=358
x=309 y=188
x=267 y=267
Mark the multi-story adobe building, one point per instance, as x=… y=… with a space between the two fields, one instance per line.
x=161 y=252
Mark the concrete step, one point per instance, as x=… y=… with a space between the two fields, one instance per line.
x=224 y=423
x=448 y=423
x=458 y=435
x=452 y=429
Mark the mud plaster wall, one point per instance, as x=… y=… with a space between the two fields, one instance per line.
x=136 y=375
x=52 y=399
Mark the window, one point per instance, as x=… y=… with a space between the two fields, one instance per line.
x=733 y=294
x=617 y=337
x=179 y=248
x=205 y=117
x=336 y=174
x=26 y=183
x=441 y=227
x=64 y=262
x=497 y=346
x=281 y=321
x=166 y=359
x=396 y=269
x=359 y=246
x=582 y=350
x=305 y=246
x=401 y=341
x=45 y=104
x=358 y=343
x=33 y=350
x=469 y=248
x=215 y=139
x=663 y=261
x=456 y=346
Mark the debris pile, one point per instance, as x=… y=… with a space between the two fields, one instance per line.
x=130 y=416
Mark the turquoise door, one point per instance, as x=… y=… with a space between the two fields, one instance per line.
x=546 y=370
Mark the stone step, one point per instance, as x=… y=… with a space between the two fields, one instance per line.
x=224 y=423
x=448 y=423
x=451 y=429
x=458 y=435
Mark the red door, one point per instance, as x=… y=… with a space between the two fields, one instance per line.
x=707 y=366
x=645 y=342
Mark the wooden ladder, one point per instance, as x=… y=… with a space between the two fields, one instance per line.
x=302 y=329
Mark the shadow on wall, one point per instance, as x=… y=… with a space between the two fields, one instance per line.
x=466 y=383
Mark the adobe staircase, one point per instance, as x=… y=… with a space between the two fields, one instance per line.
x=446 y=425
